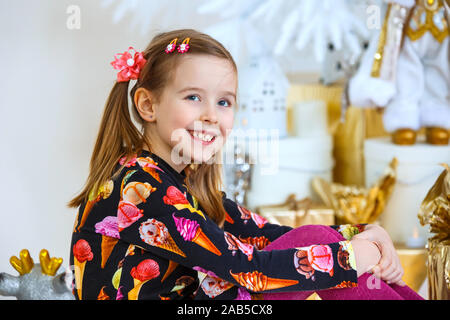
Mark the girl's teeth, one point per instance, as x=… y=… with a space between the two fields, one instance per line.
x=200 y=135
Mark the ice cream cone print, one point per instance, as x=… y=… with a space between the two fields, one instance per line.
x=145 y=271
x=155 y=233
x=102 y=295
x=137 y=192
x=228 y=218
x=125 y=179
x=202 y=240
x=109 y=230
x=321 y=258
x=172 y=266
x=256 y=281
x=247 y=214
x=235 y=244
x=87 y=209
x=103 y=192
x=150 y=166
x=191 y=231
x=127 y=214
x=108 y=245
x=259 y=221
x=82 y=253
x=130 y=163
x=177 y=199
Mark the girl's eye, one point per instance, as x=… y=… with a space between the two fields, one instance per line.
x=193 y=97
x=224 y=103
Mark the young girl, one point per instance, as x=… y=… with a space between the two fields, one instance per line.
x=153 y=222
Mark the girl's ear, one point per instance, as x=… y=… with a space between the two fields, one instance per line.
x=143 y=101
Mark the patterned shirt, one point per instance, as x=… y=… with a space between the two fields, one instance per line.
x=144 y=236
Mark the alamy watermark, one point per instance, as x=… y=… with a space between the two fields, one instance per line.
x=73 y=21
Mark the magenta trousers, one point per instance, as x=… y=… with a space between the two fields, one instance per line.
x=369 y=288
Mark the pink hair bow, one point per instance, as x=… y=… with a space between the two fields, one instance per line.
x=130 y=64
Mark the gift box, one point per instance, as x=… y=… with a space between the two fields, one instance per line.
x=414 y=263
x=435 y=212
x=295 y=213
x=417 y=170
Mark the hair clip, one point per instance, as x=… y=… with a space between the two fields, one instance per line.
x=171 y=46
x=130 y=64
x=184 y=46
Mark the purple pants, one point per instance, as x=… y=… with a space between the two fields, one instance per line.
x=369 y=288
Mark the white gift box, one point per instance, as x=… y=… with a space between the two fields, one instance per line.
x=289 y=169
x=417 y=170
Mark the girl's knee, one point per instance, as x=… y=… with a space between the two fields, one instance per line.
x=305 y=236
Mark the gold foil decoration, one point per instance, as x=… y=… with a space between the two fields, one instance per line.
x=438 y=269
x=435 y=208
x=435 y=211
x=352 y=204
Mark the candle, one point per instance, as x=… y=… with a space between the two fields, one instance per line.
x=415 y=241
x=310 y=119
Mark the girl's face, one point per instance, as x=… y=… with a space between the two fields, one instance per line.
x=195 y=113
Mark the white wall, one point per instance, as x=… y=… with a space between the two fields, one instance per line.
x=53 y=86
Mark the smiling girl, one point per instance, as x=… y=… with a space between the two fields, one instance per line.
x=153 y=221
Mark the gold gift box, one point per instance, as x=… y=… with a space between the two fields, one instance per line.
x=414 y=263
x=295 y=213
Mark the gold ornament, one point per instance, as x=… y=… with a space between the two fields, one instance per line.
x=435 y=211
x=354 y=205
x=23 y=265
x=49 y=266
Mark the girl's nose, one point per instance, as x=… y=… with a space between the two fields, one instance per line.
x=209 y=113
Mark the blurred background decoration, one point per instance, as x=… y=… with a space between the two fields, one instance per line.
x=300 y=63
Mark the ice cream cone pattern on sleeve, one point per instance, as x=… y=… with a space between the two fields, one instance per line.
x=145 y=271
x=137 y=192
x=103 y=192
x=191 y=231
x=155 y=233
x=109 y=230
x=150 y=166
x=127 y=214
x=82 y=253
x=175 y=198
x=321 y=258
x=256 y=281
x=247 y=214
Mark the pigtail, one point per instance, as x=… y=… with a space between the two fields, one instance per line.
x=117 y=137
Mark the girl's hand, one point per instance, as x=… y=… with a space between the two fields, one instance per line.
x=389 y=268
x=366 y=255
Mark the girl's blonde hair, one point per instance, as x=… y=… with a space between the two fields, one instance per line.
x=119 y=137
